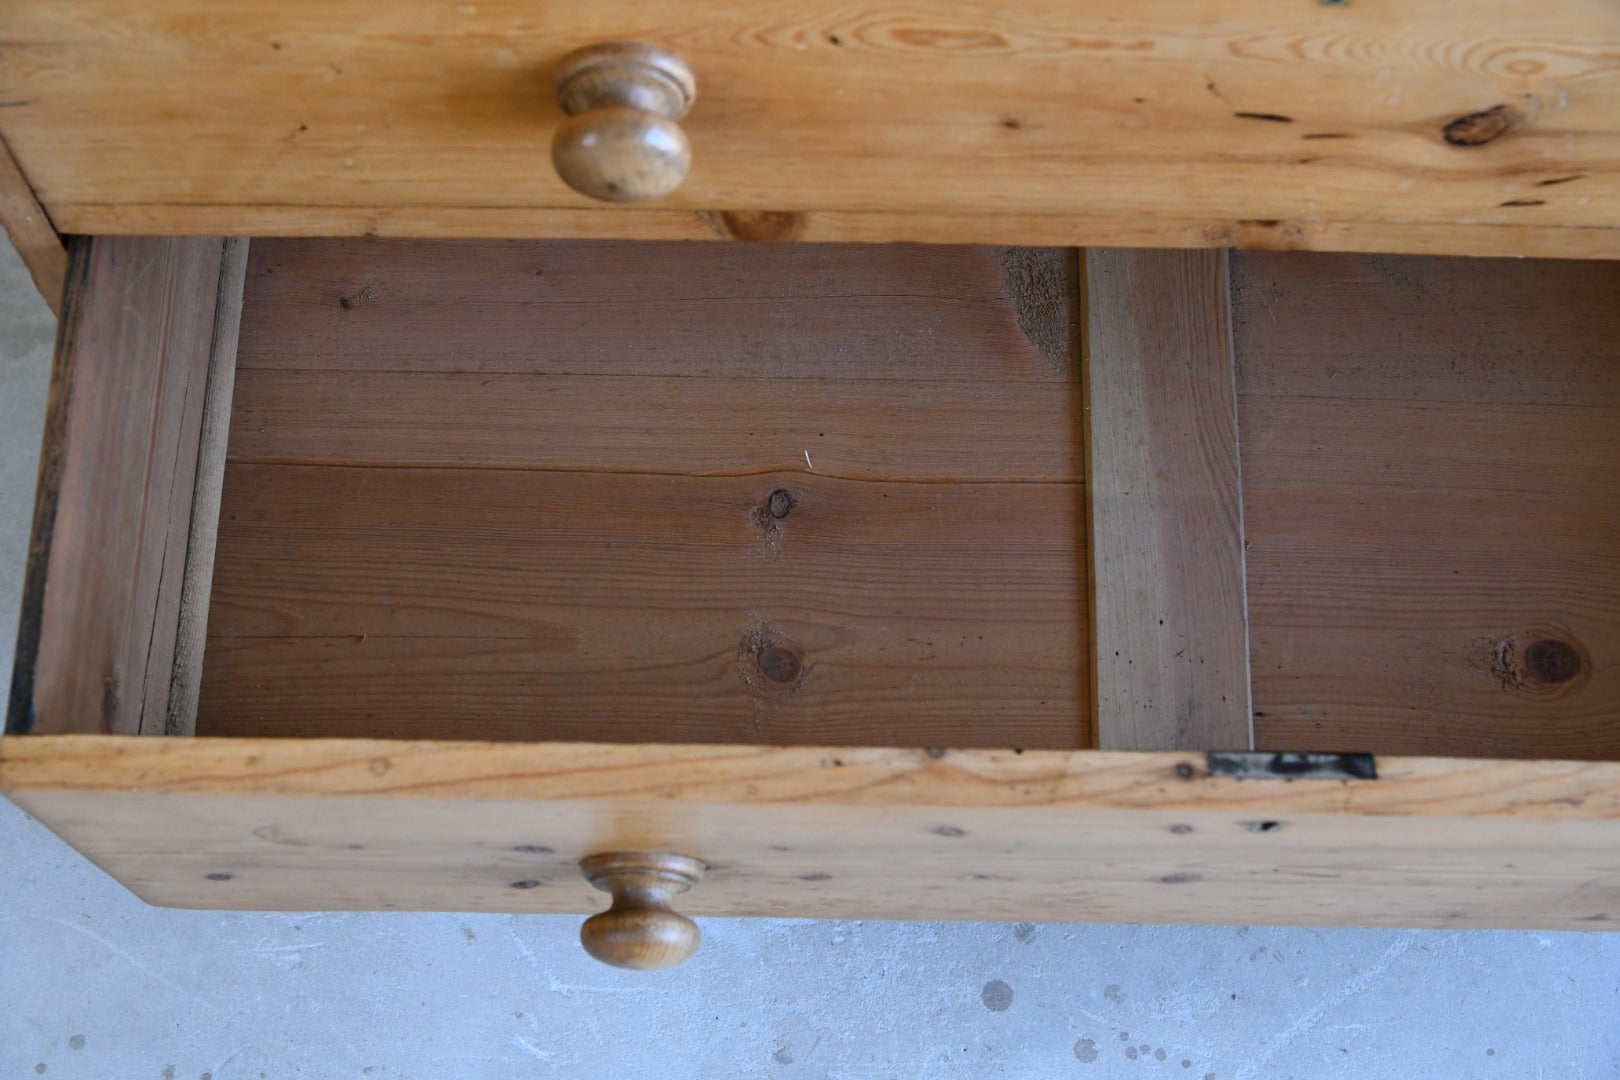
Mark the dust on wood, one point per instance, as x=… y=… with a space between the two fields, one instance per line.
x=771 y=665
x=1044 y=286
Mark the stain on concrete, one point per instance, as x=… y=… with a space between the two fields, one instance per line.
x=1113 y=993
x=1159 y=1055
x=1186 y=1063
x=1024 y=932
x=39 y=1070
x=168 y=1072
x=783 y=1055
x=1086 y=1050
x=467 y=932
x=1124 y=1036
x=76 y=1042
x=997 y=996
x=1130 y=1052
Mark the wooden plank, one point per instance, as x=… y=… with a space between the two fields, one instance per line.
x=114 y=510
x=1075 y=228
x=501 y=307
x=895 y=361
x=1431 y=483
x=841 y=833
x=179 y=715
x=31 y=232
x=1432 y=126
x=1166 y=516
x=625 y=607
x=922 y=430
x=603 y=558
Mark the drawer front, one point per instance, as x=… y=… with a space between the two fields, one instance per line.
x=124 y=565
x=1482 y=127
x=831 y=833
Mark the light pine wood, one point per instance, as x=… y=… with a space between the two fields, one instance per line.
x=1172 y=667
x=31 y=232
x=621 y=141
x=1079 y=228
x=113 y=520
x=1432 y=497
x=641 y=931
x=843 y=833
x=1482 y=127
x=654 y=492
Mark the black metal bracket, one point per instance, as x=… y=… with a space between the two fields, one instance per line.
x=1292 y=765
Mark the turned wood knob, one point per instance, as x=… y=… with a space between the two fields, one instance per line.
x=621 y=141
x=641 y=930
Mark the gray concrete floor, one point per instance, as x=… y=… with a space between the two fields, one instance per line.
x=98 y=986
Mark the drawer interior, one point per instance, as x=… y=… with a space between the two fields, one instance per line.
x=910 y=496
x=654 y=493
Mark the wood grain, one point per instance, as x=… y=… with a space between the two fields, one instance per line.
x=562 y=605
x=821 y=832
x=113 y=517
x=31 y=232
x=1077 y=228
x=191 y=619
x=637 y=492
x=1431 y=483
x=1434 y=126
x=899 y=312
x=921 y=430
x=1166 y=533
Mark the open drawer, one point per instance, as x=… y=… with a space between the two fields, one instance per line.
x=884 y=582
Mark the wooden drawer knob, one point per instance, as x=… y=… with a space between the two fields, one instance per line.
x=641 y=930
x=621 y=141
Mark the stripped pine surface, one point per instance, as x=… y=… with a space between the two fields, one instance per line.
x=1454 y=126
x=826 y=832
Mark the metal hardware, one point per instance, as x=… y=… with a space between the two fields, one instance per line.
x=1292 y=765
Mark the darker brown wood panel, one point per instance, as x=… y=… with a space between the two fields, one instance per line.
x=923 y=430
x=654 y=493
x=112 y=531
x=1431 y=465
x=560 y=605
x=892 y=311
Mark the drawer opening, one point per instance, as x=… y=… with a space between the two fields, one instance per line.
x=654 y=493
x=890 y=495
